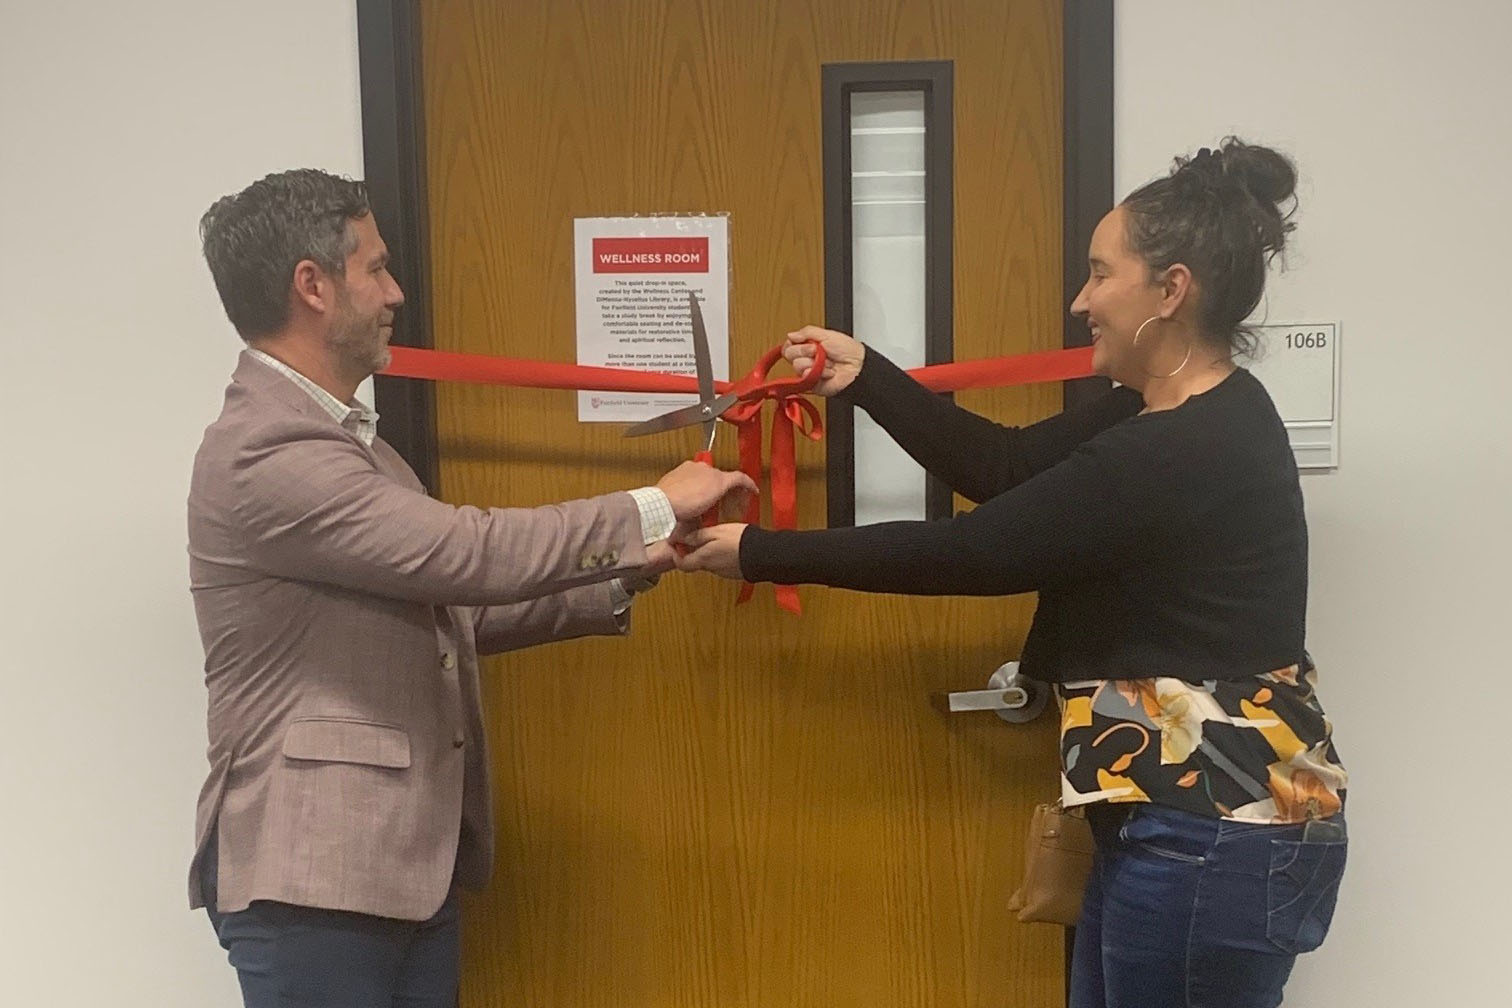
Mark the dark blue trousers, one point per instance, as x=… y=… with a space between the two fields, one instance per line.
x=1188 y=912
x=299 y=957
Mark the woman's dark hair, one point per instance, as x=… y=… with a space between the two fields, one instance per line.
x=1219 y=213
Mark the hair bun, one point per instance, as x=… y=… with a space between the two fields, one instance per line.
x=1268 y=175
x=1249 y=184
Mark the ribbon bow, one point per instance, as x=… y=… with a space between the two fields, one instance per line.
x=794 y=413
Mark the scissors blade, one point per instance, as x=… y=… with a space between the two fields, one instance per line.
x=704 y=365
x=701 y=358
x=701 y=412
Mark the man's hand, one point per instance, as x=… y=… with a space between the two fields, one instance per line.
x=842 y=357
x=693 y=488
x=715 y=549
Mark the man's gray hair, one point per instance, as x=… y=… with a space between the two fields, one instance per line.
x=255 y=238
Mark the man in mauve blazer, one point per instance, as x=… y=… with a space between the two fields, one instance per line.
x=343 y=612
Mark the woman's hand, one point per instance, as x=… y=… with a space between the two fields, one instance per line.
x=660 y=558
x=715 y=549
x=842 y=356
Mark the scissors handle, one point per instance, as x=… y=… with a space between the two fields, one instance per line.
x=711 y=516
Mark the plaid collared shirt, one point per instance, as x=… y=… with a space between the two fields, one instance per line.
x=355 y=416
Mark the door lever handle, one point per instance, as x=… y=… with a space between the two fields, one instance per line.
x=1012 y=697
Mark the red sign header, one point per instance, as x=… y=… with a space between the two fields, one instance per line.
x=651 y=255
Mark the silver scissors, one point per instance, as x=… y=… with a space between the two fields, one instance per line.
x=709 y=406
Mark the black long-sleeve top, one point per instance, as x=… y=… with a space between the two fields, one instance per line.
x=1171 y=543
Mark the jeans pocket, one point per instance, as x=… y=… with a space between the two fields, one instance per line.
x=1301 y=892
x=1168 y=834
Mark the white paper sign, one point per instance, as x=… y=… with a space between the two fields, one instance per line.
x=633 y=279
x=1299 y=366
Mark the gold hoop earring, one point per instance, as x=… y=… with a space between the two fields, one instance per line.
x=1149 y=374
x=1183 y=364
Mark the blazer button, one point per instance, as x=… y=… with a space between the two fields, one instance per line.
x=447 y=661
x=589 y=561
x=611 y=558
x=458 y=742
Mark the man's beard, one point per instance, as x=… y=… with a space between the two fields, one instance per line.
x=358 y=343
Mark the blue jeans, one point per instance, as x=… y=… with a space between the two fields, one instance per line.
x=1188 y=912
x=301 y=957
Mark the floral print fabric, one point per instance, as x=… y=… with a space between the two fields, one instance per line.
x=1257 y=750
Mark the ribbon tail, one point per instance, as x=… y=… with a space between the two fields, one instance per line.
x=750 y=464
x=785 y=491
x=787 y=598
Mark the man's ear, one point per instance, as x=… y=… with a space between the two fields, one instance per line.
x=314 y=287
x=1175 y=289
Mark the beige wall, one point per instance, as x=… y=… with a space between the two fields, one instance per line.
x=119 y=124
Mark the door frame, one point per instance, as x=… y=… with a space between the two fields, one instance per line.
x=934 y=80
x=393 y=131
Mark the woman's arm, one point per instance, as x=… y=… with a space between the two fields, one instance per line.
x=1066 y=524
x=975 y=457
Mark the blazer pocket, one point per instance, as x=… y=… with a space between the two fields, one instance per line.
x=340 y=740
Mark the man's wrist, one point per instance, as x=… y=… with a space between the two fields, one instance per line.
x=622 y=591
x=658 y=520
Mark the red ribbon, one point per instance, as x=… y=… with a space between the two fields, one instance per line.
x=794 y=413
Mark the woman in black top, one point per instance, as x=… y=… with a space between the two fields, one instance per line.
x=1163 y=527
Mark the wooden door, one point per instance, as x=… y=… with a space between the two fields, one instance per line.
x=735 y=807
